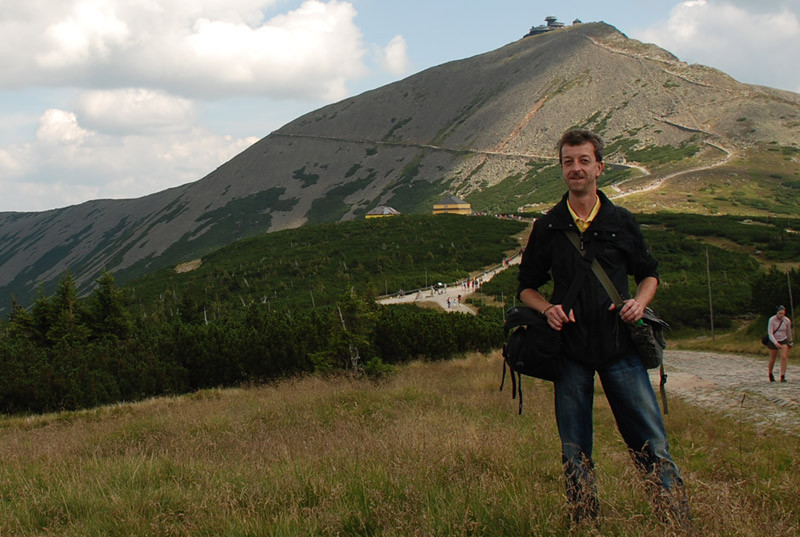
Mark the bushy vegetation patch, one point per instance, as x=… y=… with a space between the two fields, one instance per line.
x=774 y=238
x=301 y=301
x=313 y=265
x=332 y=206
x=416 y=196
x=261 y=309
x=307 y=179
x=652 y=155
x=67 y=355
x=397 y=124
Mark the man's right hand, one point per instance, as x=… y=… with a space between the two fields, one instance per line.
x=556 y=317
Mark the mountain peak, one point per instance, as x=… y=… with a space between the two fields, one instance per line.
x=679 y=136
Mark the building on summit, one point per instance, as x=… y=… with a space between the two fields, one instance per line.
x=381 y=211
x=552 y=24
x=452 y=205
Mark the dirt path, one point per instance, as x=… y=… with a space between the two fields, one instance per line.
x=659 y=180
x=736 y=386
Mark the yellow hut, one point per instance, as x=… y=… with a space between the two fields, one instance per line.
x=452 y=205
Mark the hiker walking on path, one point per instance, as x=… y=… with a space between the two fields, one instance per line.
x=779 y=330
x=594 y=335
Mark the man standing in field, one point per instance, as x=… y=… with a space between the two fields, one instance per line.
x=594 y=333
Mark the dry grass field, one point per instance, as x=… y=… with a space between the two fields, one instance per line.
x=434 y=449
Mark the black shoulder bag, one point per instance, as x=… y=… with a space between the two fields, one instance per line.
x=532 y=347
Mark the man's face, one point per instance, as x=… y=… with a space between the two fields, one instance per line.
x=580 y=168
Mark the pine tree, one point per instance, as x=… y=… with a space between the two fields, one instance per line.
x=106 y=312
x=42 y=315
x=67 y=313
x=19 y=323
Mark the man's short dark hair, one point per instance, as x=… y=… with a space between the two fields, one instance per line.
x=580 y=137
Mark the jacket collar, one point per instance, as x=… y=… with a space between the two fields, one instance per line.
x=606 y=218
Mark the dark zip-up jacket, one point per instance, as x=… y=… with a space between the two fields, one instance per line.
x=598 y=337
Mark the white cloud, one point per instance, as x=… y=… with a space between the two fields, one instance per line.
x=9 y=165
x=394 y=57
x=203 y=48
x=60 y=127
x=134 y=110
x=127 y=76
x=66 y=163
x=753 y=42
x=91 y=31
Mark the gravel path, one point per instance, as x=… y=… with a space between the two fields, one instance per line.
x=736 y=386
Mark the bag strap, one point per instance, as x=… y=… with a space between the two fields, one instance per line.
x=779 y=327
x=616 y=298
x=581 y=273
x=598 y=270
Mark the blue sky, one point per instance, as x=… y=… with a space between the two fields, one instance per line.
x=122 y=98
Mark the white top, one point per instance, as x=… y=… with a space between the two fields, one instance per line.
x=779 y=329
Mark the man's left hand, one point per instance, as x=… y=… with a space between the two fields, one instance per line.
x=631 y=310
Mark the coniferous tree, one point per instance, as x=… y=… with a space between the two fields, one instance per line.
x=19 y=324
x=106 y=313
x=772 y=288
x=42 y=315
x=190 y=311
x=67 y=313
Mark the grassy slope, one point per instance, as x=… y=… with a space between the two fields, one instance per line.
x=432 y=450
x=762 y=181
x=754 y=182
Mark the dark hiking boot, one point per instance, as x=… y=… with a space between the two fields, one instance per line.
x=582 y=497
x=585 y=510
x=672 y=508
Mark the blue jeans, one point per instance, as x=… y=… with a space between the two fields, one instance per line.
x=632 y=399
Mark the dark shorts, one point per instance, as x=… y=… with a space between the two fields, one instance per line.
x=772 y=346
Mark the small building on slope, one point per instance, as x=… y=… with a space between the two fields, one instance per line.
x=381 y=211
x=452 y=205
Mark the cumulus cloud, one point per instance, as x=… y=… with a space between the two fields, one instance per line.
x=60 y=127
x=394 y=57
x=92 y=30
x=751 y=41
x=204 y=48
x=131 y=77
x=134 y=110
x=67 y=163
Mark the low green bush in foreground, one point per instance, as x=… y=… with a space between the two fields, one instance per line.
x=432 y=449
